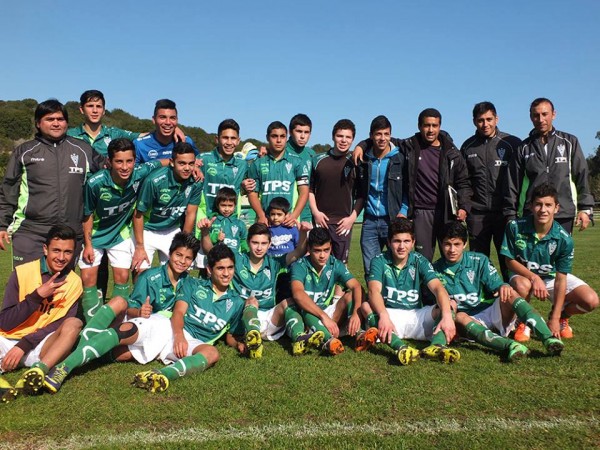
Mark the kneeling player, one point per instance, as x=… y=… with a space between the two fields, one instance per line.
x=539 y=253
x=314 y=278
x=142 y=337
x=469 y=277
x=395 y=306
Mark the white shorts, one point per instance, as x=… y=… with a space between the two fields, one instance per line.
x=119 y=256
x=154 y=334
x=168 y=357
x=158 y=240
x=268 y=330
x=330 y=310
x=413 y=323
x=492 y=318
x=29 y=358
x=572 y=283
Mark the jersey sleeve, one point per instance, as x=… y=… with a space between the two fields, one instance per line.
x=488 y=275
x=90 y=199
x=145 y=196
x=237 y=324
x=120 y=133
x=196 y=193
x=564 y=259
x=508 y=248
x=298 y=272
x=376 y=270
x=302 y=173
x=253 y=173
x=426 y=270
x=139 y=293
x=342 y=274
x=144 y=169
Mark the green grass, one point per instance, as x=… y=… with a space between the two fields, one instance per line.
x=350 y=401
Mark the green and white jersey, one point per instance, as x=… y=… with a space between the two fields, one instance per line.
x=209 y=317
x=155 y=283
x=544 y=257
x=401 y=288
x=260 y=284
x=471 y=282
x=235 y=232
x=278 y=178
x=101 y=141
x=320 y=287
x=306 y=154
x=163 y=200
x=111 y=205
x=219 y=173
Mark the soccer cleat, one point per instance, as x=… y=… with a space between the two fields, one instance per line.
x=7 y=392
x=554 y=346
x=55 y=378
x=306 y=341
x=333 y=346
x=141 y=378
x=254 y=344
x=366 y=339
x=151 y=380
x=31 y=381
x=516 y=351
x=441 y=353
x=522 y=333
x=432 y=352
x=566 y=332
x=407 y=355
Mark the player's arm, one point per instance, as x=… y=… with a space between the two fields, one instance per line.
x=385 y=326
x=560 y=291
x=9 y=196
x=357 y=299
x=443 y=300
x=88 y=248
x=538 y=287
x=291 y=218
x=307 y=304
x=139 y=254
x=254 y=202
x=300 y=249
x=319 y=216
x=190 y=218
x=180 y=344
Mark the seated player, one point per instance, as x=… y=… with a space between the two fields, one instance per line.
x=314 y=278
x=284 y=238
x=255 y=279
x=142 y=336
x=38 y=326
x=470 y=278
x=108 y=203
x=539 y=256
x=204 y=311
x=395 y=305
x=224 y=227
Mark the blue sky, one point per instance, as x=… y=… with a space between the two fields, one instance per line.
x=267 y=60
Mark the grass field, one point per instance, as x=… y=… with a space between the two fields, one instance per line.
x=352 y=401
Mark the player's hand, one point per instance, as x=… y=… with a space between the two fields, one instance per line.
x=461 y=215
x=221 y=236
x=249 y=184
x=331 y=326
x=197 y=173
x=353 y=324
x=538 y=287
x=344 y=226
x=179 y=135
x=290 y=220
x=447 y=326
x=386 y=328
x=554 y=325
x=4 y=239
x=262 y=151
x=583 y=220
x=146 y=309
x=357 y=156
x=139 y=256
x=262 y=219
x=400 y=216
x=50 y=287
x=320 y=219
x=88 y=254
x=180 y=346
x=305 y=226
x=206 y=223
x=505 y=293
x=12 y=358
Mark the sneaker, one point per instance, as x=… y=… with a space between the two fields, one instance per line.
x=31 y=381
x=7 y=392
x=566 y=332
x=151 y=380
x=366 y=339
x=407 y=355
x=306 y=341
x=516 y=351
x=333 y=346
x=141 y=379
x=55 y=378
x=432 y=352
x=522 y=333
x=554 y=346
x=441 y=353
x=254 y=344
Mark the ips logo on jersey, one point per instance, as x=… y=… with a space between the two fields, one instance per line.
x=267 y=273
x=75 y=159
x=551 y=247
x=228 y=305
x=471 y=275
x=412 y=272
x=288 y=167
x=235 y=229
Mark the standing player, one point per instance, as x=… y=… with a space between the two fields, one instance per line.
x=470 y=279
x=539 y=253
x=300 y=130
x=395 y=306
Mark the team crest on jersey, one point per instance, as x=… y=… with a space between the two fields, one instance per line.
x=235 y=171
x=412 y=273
x=107 y=140
x=235 y=229
x=501 y=152
x=135 y=186
x=561 y=149
x=201 y=294
x=328 y=274
x=520 y=244
x=267 y=273
x=228 y=305
x=75 y=158
x=551 y=247
x=152 y=154
x=471 y=275
x=288 y=167
x=346 y=171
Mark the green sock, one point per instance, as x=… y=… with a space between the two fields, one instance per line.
x=314 y=323
x=93 y=348
x=250 y=318
x=397 y=343
x=439 y=338
x=372 y=320
x=532 y=318
x=40 y=365
x=100 y=322
x=487 y=337
x=184 y=366
x=122 y=290
x=294 y=325
x=90 y=302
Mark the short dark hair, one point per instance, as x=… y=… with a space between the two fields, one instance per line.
x=279 y=203
x=380 y=123
x=275 y=126
x=49 y=106
x=455 y=229
x=186 y=240
x=539 y=100
x=343 y=124
x=217 y=253
x=318 y=236
x=228 y=124
x=429 y=112
x=164 y=103
x=62 y=232
x=483 y=107
x=257 y=229
x=401 y=225
x=225 y=194
x=182 y=148
x=91 y=95
x=300 y=120
x=120 y=145
x=544 y=190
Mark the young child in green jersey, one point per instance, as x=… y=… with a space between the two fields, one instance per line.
x=225 y=227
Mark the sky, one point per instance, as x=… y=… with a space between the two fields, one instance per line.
x=262 y=61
